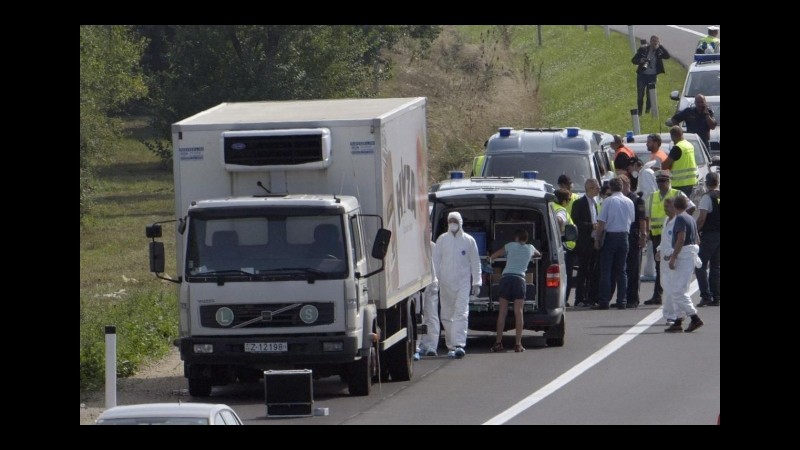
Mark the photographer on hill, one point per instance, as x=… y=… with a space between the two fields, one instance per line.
x=649 y=61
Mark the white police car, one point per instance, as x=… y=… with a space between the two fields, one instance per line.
x=702 y=78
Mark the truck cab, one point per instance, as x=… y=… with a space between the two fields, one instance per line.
x=493 y=208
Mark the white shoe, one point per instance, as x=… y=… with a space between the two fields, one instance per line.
x=451 y=354
x=459 y=352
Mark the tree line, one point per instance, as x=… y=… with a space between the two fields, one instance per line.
x=169 y=72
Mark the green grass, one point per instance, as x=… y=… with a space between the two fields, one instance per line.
x=586 y=79
x=132 y=190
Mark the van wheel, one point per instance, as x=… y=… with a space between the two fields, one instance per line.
x=555 y=336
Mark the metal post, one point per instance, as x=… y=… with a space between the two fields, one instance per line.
x=607 y=30
x=635 y=119
x=111 y=366
x=586 y=28
x=539 y=34
x=632 y=39
x=651 y=91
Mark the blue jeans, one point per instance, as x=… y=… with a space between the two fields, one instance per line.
x=613 y=256
x=708 y=283
x=634 y=261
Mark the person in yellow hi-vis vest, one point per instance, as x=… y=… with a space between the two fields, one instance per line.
x=681 y=163
x=709 y=44
x=563 y=199
x=654 y=218
x=565 y=182
x=477 y=165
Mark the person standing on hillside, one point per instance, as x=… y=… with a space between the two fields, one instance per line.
x=649 y=60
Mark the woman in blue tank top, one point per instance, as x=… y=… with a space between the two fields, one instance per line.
x=512 y=285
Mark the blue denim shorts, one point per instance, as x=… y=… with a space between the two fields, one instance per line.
x=512 y=287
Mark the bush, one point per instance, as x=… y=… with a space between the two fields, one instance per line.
x=146 y=322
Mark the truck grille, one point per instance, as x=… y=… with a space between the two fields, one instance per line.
x=263 y=312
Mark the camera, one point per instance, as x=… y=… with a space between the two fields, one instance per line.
x=645 y=65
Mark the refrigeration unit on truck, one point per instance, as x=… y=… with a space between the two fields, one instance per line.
x=301 y=239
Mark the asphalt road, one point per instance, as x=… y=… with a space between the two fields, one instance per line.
x=617 y=367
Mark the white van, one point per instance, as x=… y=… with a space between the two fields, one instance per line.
x=550 y=152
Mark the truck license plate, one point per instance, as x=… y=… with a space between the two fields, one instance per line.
x=265 y=347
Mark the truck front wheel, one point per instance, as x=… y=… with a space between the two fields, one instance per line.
x=359 y=380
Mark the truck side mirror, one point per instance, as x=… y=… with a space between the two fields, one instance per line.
x=381 y=245
x=157 y=255
x=153 y=231
x=570 y=232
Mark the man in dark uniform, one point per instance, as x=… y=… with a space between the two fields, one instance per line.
x=708 y=226
x=637 y=239
x=699 y=119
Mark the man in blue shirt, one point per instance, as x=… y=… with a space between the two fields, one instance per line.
x=613 y=225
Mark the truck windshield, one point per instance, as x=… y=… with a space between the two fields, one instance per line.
x=550 y=166
x=254 y=246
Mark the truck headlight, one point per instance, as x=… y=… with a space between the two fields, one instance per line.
x=204 y=348
x=332 y=346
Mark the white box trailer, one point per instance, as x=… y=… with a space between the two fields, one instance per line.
x=278 y=205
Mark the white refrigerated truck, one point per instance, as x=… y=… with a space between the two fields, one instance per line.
x=301 y=239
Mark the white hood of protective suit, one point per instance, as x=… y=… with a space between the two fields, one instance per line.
x=457 y=216
x=456 y=258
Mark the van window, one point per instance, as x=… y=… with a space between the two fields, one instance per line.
x=549 y=165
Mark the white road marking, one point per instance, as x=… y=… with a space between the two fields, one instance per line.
x=687 y=30
x=583 y=366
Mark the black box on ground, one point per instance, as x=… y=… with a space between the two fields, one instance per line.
x=289 y=393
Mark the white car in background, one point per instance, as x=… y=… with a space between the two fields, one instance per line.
x=170 y=414
x=702 y=78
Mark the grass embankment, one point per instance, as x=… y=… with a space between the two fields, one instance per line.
x=481 y=77
x=132 y=190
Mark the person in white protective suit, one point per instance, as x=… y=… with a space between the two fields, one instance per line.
x=458 y=269
x=682 y=262
x=664 y=251
x=430 y=312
